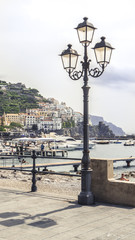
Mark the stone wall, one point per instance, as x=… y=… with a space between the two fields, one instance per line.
x=106 y=189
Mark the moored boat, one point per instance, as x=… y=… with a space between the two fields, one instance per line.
x=129 y=143
x=117 y=142
x=4 y=150
x=69 y=144
x=102 y=141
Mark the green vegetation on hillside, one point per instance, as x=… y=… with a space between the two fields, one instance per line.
x=68 y=124
x=16 y=98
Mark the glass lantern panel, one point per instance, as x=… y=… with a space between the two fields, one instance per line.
x=108 y=54
x=82 y=34
x=100 y=54
x=65 y=60
x=90 y=32
x=85 y=35
x=74 y=60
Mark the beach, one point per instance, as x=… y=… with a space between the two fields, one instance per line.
x=65 y=185
x=51 y=183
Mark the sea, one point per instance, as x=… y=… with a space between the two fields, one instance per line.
x=107 y=151
x=112 y=151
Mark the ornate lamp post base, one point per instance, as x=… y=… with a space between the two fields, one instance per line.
x=86 y=197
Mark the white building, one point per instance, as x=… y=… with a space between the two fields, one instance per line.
x=49 y=124
x=78 y=117
x=70 y=112
x=57 y=123
x=30 y=120
x=33 y=111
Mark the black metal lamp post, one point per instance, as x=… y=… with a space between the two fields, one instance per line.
x=103 y=51
x=34 y=187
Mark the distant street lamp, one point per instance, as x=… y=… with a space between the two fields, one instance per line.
x=103 y=51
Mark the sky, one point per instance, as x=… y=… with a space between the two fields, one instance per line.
x=34 y=32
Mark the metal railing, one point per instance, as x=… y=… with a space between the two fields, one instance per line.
x=34 y=172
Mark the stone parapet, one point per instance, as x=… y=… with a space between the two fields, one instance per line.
x=106 y=189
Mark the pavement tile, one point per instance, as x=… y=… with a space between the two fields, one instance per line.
x=129 y=237
x=26 y=215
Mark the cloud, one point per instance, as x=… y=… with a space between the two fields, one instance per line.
x=115 y=78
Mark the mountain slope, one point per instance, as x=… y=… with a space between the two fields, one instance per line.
x=15 y=98
x=116 y=130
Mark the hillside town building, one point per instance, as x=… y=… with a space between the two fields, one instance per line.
x=48 y=117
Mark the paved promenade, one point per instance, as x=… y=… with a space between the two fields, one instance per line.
x=42 y=216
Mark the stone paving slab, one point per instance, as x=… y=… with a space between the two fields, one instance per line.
x=43 y=216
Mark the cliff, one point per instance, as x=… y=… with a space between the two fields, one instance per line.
x=116 y=130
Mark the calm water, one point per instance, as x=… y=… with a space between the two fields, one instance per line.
x=108 y=151
x=112 y=151
x=99 y=151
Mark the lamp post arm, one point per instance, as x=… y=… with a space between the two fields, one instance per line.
x=76 y=75
x=96 y=72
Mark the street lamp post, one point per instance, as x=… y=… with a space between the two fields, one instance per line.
x=103 y=51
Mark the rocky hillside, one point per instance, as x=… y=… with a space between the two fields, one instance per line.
x=15 y=98
x=116 y=130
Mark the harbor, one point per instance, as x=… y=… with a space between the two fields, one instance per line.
x=123 y=156
x=67 y=132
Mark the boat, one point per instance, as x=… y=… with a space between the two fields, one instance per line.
x=4 y=150
x=63 y=146
x=117 y=142
x=58 y=142
x=79 y=146
x=102 y=141
x=129 y=143
x=63 y=143
x=70 y=144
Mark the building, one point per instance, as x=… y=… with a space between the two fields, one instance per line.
x=49 y=124
x=30 y=120
x=78 y=117
x=12 y=117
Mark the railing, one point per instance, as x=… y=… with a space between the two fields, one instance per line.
x=76 y=162
x=34 y=168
